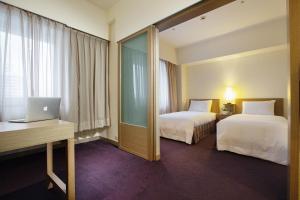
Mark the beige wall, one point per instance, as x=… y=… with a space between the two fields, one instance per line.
x=167 y=52
x=255 y=74
x=113 y=84
x=75 y=13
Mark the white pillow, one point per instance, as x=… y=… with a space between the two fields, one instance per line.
x=201 y=106
x=258 y=107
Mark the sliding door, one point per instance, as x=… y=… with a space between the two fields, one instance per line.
x=136 y=94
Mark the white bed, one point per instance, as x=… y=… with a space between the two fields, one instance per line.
x=261 y=136
x=180 y=125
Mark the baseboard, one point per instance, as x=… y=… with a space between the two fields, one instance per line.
x=113 y=142
x=88 y=139
x=157 y=157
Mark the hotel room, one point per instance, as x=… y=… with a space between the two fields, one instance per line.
x=241 y=67
x=129 y=99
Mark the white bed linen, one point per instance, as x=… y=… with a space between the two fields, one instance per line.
x=180 y=125
x=261 y=136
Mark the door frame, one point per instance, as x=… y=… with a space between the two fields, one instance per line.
x=151 y=38
x=294 y=41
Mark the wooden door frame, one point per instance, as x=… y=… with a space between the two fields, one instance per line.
x=294 y=41
x=152 y=91
x=190 y=12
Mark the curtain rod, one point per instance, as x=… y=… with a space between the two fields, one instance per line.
x=53 y=20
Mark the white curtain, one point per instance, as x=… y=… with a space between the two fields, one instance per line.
x=33 y=60
x=90 y=54
x=38 y=58
x=164 y=96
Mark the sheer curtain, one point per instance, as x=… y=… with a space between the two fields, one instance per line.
x=172 y=86
x=33 y=60
x=164 y=96
x=168 y=87
x=37 y=58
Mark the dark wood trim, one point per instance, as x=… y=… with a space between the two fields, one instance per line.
x=110 y=141
x=294 y=40
x=33 y=13
x=191 y=12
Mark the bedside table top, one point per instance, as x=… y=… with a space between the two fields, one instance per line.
x=221 y=116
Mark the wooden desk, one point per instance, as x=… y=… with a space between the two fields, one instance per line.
x=21 y=135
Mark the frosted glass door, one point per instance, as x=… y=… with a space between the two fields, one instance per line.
x=134 y=81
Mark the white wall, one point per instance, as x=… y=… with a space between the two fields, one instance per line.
x=256 y=74
x=133 y=15
x=113 y=85
x=263 y=35
x=75 y=13
x=167 y=52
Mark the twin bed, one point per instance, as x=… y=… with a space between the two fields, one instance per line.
x=192 y=125
x=257 y=129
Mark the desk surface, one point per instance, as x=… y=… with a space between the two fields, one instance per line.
x=9 y=126
x=20 y=135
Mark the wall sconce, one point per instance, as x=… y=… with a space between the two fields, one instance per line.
x=229 y=96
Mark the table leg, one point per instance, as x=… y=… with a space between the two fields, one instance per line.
x=71 y=170
x=50 y=162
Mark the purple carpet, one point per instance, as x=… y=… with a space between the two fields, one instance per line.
x=184 y=172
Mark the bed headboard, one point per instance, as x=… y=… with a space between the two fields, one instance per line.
x=215 y=107
x=278 y=107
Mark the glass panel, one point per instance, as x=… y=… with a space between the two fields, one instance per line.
x=134 y=81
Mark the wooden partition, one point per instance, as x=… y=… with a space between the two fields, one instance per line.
x=294 y=99
x=136 y=131
x=278 y=108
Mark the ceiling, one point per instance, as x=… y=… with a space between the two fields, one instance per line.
x=104 y=4
x=232 y=17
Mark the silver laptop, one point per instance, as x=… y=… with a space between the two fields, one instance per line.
x=40 y=108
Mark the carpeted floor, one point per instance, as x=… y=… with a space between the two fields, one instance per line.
x=184 y=172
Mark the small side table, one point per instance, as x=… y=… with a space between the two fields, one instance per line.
x=221 y=116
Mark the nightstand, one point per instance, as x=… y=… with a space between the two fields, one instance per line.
x=221 y=116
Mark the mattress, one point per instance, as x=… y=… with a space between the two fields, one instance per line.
x=260 y=136
x=180 y=125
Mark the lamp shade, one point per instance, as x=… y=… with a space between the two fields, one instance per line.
x=229 y=95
